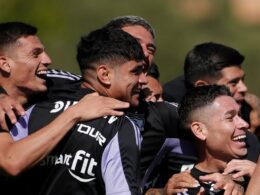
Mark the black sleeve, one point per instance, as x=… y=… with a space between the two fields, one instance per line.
x=163 y=116
x=59 y=82
x=160 y=123
x=253 y=147
x=174 y=90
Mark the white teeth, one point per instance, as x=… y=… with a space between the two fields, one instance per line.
x=42 y=72
x=239 y=138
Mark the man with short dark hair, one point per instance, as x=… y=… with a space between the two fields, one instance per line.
x=23 y=69
x=100 y=156
x=213 y=63
x=211 y=116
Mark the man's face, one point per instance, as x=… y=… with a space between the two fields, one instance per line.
x=152 y=91
x=28 y=62
x=145 y=39
x=225 y=129
x=127 y=81
x=233 y=78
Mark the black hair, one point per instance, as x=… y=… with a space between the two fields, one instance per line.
x=11 y=31
x=198 y=97
x=153 y=71
x=206 y=60
x=104 y=45
x=123 y=21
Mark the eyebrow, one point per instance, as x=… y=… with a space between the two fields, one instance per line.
x=231 y=112
x=37 y=49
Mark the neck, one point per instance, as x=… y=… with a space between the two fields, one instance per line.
x=211 y=166
x=101 y=90
x=208 y=163
x=17 y=94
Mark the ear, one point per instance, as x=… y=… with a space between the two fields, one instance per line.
x=4 y=65
x=199 y=130
x=201 y=83
x=104 y=74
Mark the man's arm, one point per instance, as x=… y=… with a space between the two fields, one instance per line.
x=15 y=157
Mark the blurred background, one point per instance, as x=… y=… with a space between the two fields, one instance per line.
x=179 y=25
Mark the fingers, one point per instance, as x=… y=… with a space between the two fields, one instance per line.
x=201 y=192
x=238 y=174
x=180 y=183
x=11 y=108
x=228 y=189
x=224 y=182
x=11 y=115
x=93 y=94
x=209 y=177
x=241 y=167
x=93 y=106
x=113 y=107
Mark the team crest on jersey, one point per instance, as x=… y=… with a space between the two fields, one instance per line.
x=62 y=105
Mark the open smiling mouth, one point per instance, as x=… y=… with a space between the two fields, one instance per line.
x=41 y=74
x=240 y=138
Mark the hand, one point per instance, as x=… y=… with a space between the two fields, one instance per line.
x=254 y=102
x=10 y=107
x=223 y=182
x=241 y=167
x=180 y=182
x=155 y=191
x=201 y=192
x=93 y=106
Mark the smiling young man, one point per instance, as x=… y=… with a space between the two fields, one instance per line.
x=212 y=117
x=23 y=68
x=23 y=61
x=215 y=63
x=100 y=156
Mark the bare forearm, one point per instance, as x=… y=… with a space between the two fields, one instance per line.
x=18 y=156
x=27 y=152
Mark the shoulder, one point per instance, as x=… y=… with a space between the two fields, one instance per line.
x=174 y=89
x=253 y=147
x=62 y=75
x=58 y=80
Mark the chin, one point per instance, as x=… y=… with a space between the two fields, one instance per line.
x=242 y=153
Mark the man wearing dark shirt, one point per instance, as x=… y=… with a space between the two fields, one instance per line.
x=212 y=118
x=94 y=157
x=212 y=63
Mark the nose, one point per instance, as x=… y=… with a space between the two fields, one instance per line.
x=143 y=79
x=46 y=59
x=242 y=88
x=241 y=123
